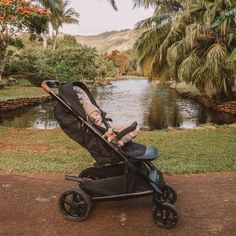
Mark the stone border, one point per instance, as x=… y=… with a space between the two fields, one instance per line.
x=13 y=104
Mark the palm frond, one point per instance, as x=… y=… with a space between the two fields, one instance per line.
x=113 y=4
x=212 y=72
x=187 y=67
x=223 y=17
x=175 y=54
x=154 y=21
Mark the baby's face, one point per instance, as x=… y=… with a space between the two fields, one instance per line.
x=97 y=117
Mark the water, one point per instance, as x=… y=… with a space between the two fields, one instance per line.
x=153 y=107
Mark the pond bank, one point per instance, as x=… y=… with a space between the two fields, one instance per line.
x=13 y=104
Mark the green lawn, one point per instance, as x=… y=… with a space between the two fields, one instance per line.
x=191 y=151
x=22 y=90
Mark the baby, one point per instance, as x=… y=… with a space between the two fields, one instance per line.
x=95 y=113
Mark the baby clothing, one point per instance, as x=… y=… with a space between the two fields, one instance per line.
x=89 y=108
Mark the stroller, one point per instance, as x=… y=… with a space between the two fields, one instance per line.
x=119 y=172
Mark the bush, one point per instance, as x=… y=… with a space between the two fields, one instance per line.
x=37 y=78
x=65 y=64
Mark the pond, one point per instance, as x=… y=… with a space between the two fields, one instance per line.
x=152 y=106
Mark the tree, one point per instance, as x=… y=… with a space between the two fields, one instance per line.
x=50 y=9
x=62 y=15
x=181 y=45
x=120 y=60
x=18 y=16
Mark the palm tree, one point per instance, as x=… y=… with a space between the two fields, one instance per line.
x=205 y=62
x=50 y=8
x=63 y=15
x=159 y=31
x=181 y=45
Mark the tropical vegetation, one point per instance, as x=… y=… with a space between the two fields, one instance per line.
x=69 y=62
x=178 y=43
x=17 y=16
x=59 y=13
x=64 y=60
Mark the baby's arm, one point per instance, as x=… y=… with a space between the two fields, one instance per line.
x=126 y=138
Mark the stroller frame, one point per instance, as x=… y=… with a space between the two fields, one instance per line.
x=75 y=204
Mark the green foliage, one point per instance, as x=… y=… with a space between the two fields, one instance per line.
x=179 y=43
x=67 y=63
x=15 y=17
x=67 y=41
x=223 y=17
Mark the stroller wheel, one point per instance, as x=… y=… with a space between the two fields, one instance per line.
x=165 y=215
x=74 y=204
x=169 y=194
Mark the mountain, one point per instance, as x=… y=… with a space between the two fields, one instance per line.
x=113 y=40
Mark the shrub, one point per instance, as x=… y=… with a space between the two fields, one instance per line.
x=65 y=64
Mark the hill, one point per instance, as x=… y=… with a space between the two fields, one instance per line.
x=114 y=40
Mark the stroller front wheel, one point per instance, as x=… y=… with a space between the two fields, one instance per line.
x=169 y=194
x=74 y=204
x=165 y=215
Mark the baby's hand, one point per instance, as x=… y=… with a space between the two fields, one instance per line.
x=110 y=135
x=120 y=143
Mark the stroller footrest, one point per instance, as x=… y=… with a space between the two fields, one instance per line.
x=74 y=178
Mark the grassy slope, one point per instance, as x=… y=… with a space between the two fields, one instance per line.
x=38 y=151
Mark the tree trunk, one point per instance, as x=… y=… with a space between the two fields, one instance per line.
x=2 y=62
x=45 y=40
x=55 y=40
x=220 y=93
x=229 y=87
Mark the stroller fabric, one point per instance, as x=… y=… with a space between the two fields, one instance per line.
x=93 y=143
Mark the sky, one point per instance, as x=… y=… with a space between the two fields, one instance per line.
x=98 y=16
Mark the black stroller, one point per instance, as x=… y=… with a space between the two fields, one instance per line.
x=119 y=172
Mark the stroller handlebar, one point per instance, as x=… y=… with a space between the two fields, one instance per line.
x=47 y=84
x=127 y=130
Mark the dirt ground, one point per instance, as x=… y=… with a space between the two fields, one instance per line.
x=206 y=205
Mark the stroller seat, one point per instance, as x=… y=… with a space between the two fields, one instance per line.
x=150 y=154
x=140 y=152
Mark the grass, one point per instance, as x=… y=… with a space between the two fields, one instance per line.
x=22 y=90
x=51 y=151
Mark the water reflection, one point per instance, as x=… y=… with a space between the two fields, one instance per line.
x=152 y=106
x=39 y=117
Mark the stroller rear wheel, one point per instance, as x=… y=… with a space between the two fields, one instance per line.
x=169 y=194
x=165 y=215
x=74 y=204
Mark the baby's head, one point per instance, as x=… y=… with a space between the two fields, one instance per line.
x=97 y=117
x=93 y=112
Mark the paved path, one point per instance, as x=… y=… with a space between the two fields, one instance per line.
x=206 y=205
